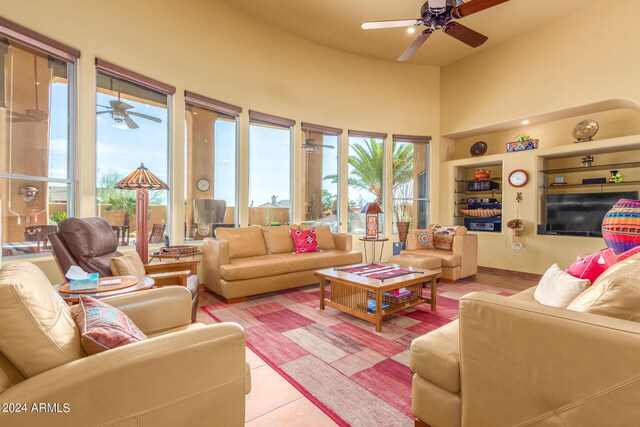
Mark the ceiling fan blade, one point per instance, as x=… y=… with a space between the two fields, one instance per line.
x=464 y=34
x=119 y=105
x=416 y=44
x=474 y=6
x=102 y=106
x=102 y=112
x=328 y=146
x=145 y=116
x=373 y=25
x=129 y=121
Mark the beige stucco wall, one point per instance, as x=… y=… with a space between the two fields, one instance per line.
x=211 y=48
x=542 y=74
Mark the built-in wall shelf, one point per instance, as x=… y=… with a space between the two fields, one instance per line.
x=608 y=185
x=463 y=179
x=499 y=178
x=616 y=166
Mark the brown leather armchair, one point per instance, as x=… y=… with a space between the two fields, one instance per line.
x=90 y=244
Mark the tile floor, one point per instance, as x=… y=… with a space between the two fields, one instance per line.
x=273 y=401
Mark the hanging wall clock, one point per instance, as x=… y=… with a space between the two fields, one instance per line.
x=518 y=178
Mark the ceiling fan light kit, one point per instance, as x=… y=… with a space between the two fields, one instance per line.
x=438 y=15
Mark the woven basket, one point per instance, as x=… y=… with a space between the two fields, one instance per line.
x=481 y=213
x=180 y=249
x=621 y=225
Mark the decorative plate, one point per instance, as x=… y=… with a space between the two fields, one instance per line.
x=585 y=130
x=478 y=148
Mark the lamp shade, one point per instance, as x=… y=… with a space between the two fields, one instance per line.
x=141 y=178
x=371 y=208
x=621 y=225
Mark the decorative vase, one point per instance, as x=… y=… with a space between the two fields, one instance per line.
x=516 y=226
x=403 y=231
x=621 y=225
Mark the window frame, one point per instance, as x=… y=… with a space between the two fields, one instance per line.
x=114 y=71
x=258 y=118
x=383 y=138
x=25 y=38
x=415 y=140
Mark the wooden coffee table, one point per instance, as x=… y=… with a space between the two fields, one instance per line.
x=350 y=293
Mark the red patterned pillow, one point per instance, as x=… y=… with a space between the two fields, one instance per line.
x=629 y=253
x=305 y=241
x=592 y=266
x=104 y=327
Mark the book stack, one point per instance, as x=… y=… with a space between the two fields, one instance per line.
x=371 y=305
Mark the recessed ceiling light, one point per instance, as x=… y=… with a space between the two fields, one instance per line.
x=525 y=122
x=411 y=30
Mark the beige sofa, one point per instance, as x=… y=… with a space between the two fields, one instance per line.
x=254 y=260
x=184 y=374
x=460 y=262
x=513 y=361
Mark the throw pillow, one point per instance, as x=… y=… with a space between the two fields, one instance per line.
x=423 y=239
x=323 y=236
x=629 y=253
x=127 y=265
x=443 y=236
x=616 y=293
x=305 y=241
x=278 y=239
x=592 y=266
x=558 y=288
x=103 y=327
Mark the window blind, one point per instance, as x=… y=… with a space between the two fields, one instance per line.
x=37 y=41
x=211 y=104
x=122 y=73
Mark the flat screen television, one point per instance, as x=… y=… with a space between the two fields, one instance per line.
x=581 y=214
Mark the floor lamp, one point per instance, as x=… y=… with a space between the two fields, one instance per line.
x=142 y=180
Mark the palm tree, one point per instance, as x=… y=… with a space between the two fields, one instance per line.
x=367 y=164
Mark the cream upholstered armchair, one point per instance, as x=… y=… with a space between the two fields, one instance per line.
x=184 y=374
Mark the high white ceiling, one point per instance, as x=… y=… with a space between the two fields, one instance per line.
x=336 y=24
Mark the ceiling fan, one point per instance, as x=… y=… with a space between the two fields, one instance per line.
x=439 y=14
x=310 y=145
x=119 y=112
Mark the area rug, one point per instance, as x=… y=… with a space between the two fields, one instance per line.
x=357 y=376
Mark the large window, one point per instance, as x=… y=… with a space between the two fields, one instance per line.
x=210 y=184
x=269 y=170
x=131 y=128
x=36 y=150
x=410 y=186
x=366 y=176
x=321 y=146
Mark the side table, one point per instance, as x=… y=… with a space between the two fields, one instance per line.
x=373 y=247
x=136 y=284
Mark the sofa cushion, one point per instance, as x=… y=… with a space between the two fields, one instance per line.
x=272 y=265
x=129 y=264
x=447 y=257
x=104 y=327
x=616 y=293
x=593 y=265
x=323 y=236
x=436 y=356
x=417 y=261
x=304 y=241
x=278 y=239
x=37 y=330
x=243 y=241
x=558 y=288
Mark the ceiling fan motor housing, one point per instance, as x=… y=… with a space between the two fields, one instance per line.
x=437 y=21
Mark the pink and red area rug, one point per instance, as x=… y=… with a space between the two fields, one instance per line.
x=355 y=375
